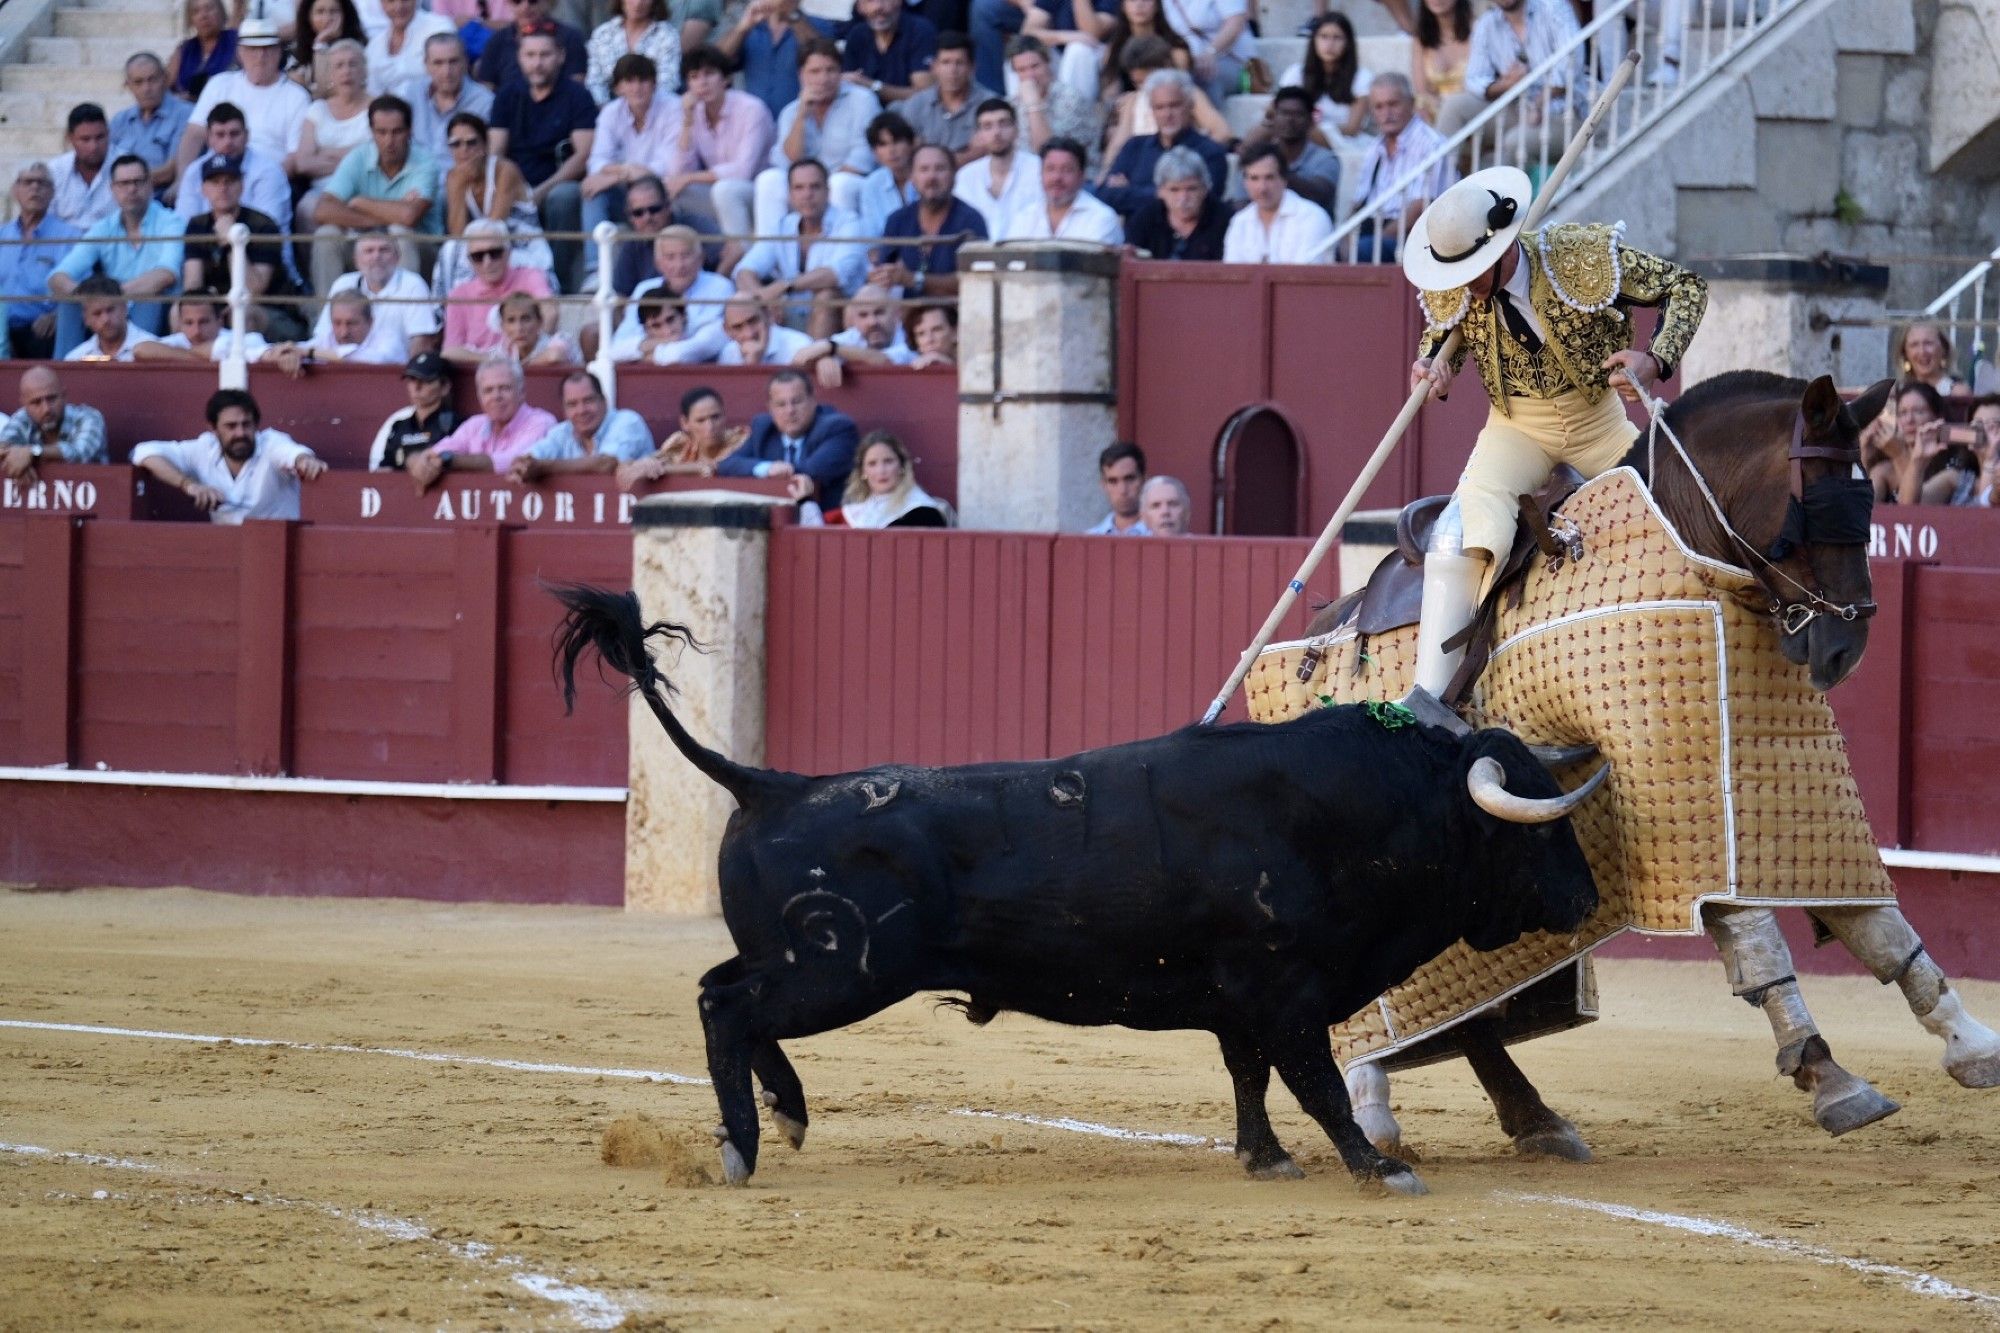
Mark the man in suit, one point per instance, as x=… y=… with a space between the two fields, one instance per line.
x=799 y=438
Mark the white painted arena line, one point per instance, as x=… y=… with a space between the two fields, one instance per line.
x=588 y=1307
x=342 y=1048
x=1075 y=1126
x=1923 y=1284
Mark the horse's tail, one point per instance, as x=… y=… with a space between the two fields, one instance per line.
x=612 y=624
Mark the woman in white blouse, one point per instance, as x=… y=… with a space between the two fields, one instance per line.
x=642 y=26
x=333 y=125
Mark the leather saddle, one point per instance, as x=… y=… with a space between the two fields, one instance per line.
x=1393 y=597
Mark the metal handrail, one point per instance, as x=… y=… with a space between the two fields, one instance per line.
x=1472 y=137
x=1949 y=304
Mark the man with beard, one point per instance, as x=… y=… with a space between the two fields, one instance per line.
x=928 y=270
x=235 y=469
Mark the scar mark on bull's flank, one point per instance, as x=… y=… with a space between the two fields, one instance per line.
x=1257 y=896
x=878 y=799
x=1067 y=789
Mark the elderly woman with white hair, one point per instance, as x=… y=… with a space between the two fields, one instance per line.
x=1186 y=220
x=471 y=316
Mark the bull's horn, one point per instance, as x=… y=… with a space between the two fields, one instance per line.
x=1555 y=756
x=1487 y=783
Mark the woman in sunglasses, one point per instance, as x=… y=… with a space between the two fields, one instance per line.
x=471 y=318
x=482 y=186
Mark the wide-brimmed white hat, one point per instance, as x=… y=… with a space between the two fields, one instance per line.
x=257 y=32
x=1467 y=229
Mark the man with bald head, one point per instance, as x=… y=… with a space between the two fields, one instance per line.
x=873 y=336
x=49 y=427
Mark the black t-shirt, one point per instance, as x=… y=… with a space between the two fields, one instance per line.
x=538 y=132
x=214 y=255
x=412 y=434
x=1150 y=231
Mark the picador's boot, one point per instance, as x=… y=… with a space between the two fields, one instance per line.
x=1882 y=939
x=1759 y=963
x=1451 y=596
x=1368 y=1094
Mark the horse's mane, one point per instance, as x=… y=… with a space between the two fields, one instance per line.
x=1727 y=389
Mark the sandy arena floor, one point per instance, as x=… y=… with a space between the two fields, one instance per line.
x=219 y=1185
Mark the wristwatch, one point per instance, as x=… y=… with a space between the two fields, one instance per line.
x=35 y=450
x=444 y=457
x=876 y=87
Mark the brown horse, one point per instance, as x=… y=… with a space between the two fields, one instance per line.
x=1778 y=457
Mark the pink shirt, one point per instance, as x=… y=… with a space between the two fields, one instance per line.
x=524 y=432
x=734 y=148
x=472 y=325
x=499 y=13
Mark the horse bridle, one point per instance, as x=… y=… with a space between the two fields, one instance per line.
x=1836 y=501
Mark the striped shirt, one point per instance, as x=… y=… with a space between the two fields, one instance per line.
x=1385 y=165
x=1496 y=48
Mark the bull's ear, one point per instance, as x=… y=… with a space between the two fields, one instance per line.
x=1869 y=405
x=1821 y=407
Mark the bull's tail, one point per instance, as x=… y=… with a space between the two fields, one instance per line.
x=612 y=624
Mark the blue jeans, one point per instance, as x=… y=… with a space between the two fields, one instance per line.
x=563 y=211
x=148 y=315
x=604 y=206
x=993 y=21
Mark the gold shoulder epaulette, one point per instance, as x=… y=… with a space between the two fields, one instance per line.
x=1444 y=310
x=1581 y=263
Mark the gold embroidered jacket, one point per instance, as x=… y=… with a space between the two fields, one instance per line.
x=1583 y=284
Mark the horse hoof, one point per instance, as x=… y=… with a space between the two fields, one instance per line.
x=1405 y=1182
x=1563 y=1143
x=1282 y=1169
x=1849 y=1109
x=734 y=1169
x=1380 y=1128
x=793 y=1130
x=1983 y=1072
x=770 y=1098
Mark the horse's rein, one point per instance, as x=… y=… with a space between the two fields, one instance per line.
x=1793 y=614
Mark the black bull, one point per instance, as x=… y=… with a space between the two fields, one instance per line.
x=1255 y=882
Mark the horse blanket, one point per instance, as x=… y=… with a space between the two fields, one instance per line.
x=1729 y=778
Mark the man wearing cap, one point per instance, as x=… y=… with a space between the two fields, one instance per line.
x=206 y=263
x=272 y=104
x=1546 y=316
x=429 y=418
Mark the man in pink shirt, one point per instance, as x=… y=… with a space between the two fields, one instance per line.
x=724 y=138
x=505 y=429
x=470 y=330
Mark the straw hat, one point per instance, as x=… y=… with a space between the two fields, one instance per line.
x=257 y=32
x=1467 y=229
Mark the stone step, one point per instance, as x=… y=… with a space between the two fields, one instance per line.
x=140 y=29
x=40 y=141
x=67 y=85
x=1283 y=18
x=1384 y=55
x=81 y=53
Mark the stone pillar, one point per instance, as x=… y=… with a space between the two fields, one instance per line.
x=699 y=558
x=1775 y=313
x=1036 y=383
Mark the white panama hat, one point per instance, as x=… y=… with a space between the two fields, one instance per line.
x=257 y=32
x=1467 y=229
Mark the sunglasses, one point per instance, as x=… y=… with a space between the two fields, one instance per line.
x=481 y=256
x=647 y=210
x=456 y=144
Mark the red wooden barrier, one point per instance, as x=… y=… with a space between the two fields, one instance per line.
x=388 y=500
x=957 y=647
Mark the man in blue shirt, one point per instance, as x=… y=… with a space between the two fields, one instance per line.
x=25 y=269
x=385 y=183
x=153 y=125
x=589 y=438
x=139 y=247
x=765 y=42
x=500 y=61
x=546 y=124
x=928 y=270
x=1128 y=186
x=889 y=52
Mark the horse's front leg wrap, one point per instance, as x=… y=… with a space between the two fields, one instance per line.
x=1883 y=940
x=1759 y=963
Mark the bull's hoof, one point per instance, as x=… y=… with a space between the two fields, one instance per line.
x=1405 y=1182
x=793 y=1130
x=734 y=1169
x=1843 y=1103
x=1282 y=1168
x=1561 y=1142
x=1983 y=1072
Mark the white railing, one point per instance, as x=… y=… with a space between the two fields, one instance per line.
x=1529 y=125
x=1962 y=307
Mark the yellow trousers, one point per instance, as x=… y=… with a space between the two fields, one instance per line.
x=1515 y=454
